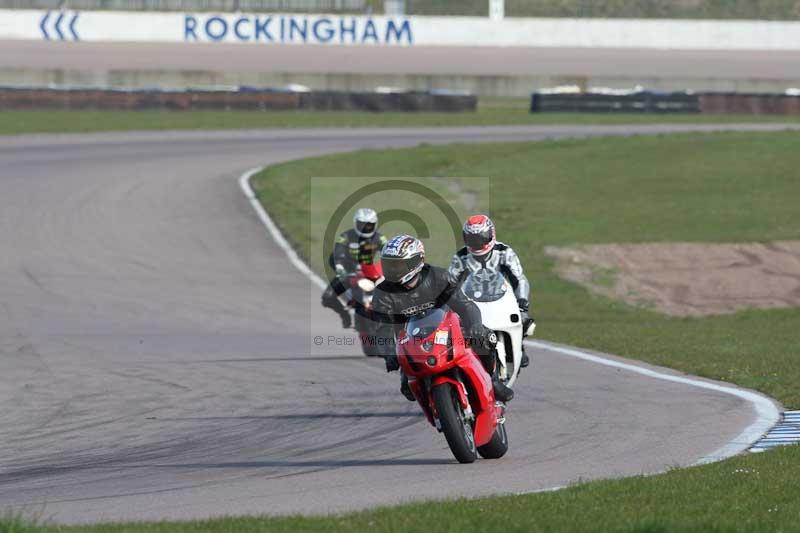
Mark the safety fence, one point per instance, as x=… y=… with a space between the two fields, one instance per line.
x=655 y=102
x=239 y=98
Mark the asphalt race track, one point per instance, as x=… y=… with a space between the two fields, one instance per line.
x=154 y=350
x=435 y=60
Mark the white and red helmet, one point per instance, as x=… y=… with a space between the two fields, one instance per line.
x=479 y=235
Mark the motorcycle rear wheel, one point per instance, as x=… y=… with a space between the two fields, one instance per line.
x=498 y=446
x=455 y=426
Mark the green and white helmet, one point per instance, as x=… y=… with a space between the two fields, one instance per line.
x=365 y=222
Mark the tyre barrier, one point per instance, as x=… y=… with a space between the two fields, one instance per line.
x=239 y=98
x=656 y=102
x=603 y=102
x=749 y=104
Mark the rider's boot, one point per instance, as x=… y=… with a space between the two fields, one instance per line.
x=332 y=301
x=528 y=327
x=525 y=360
x=502 y=392
x=405 y=389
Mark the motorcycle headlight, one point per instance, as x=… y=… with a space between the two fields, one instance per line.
x=427 y=345
x=431 y=361
x=366 y=285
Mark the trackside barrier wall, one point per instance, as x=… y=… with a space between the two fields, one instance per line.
x=641 y=102
x=244 y=98
x=285 y=28
x=749 y=104
x=651 y=102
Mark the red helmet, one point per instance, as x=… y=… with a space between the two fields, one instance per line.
x=479 y=235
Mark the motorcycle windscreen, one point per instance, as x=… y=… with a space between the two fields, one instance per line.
x=484 y=285
x=423 y=325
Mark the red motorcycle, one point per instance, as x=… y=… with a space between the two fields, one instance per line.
x=451 y=386
x=362 y=289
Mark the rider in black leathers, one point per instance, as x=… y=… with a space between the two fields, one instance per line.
x=354 y=247
x=418 y=287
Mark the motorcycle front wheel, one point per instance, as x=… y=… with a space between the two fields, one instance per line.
x=498 y=446
x=455 y=426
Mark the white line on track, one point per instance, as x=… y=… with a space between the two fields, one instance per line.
x=244 y=183
x=767 y=412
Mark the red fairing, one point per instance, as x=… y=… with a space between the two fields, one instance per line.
x=472 y=382
x=372 y=272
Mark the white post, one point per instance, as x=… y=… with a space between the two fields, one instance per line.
x=497 y=9
x=394 y=8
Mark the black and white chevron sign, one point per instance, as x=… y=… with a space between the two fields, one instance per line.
x=60 y=25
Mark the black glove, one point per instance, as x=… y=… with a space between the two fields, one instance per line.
x=392 y=363
x=526 y=319
x=482 y=335
x=528 y=325
x=347 y=320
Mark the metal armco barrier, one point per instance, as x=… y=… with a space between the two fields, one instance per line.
x=679 y=102
x=243 y=98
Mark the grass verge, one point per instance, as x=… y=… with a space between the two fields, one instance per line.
x=491 y=112
x=702 y=187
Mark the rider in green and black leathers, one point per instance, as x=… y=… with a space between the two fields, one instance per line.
x=354 y=247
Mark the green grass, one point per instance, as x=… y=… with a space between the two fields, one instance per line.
x=752 y=493
x=512 y=111
x=705 y=188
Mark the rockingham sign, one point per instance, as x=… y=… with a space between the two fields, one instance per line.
x=100 y=26
x=293 y=29
x=335 y=30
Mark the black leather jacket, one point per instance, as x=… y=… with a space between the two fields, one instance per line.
x=351 y=249
x=394 y=304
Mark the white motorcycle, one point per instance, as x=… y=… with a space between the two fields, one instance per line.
x=494 y=296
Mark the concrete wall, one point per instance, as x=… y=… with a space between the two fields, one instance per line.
x=445 y=31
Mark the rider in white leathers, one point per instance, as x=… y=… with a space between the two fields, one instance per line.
x=482 y=250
